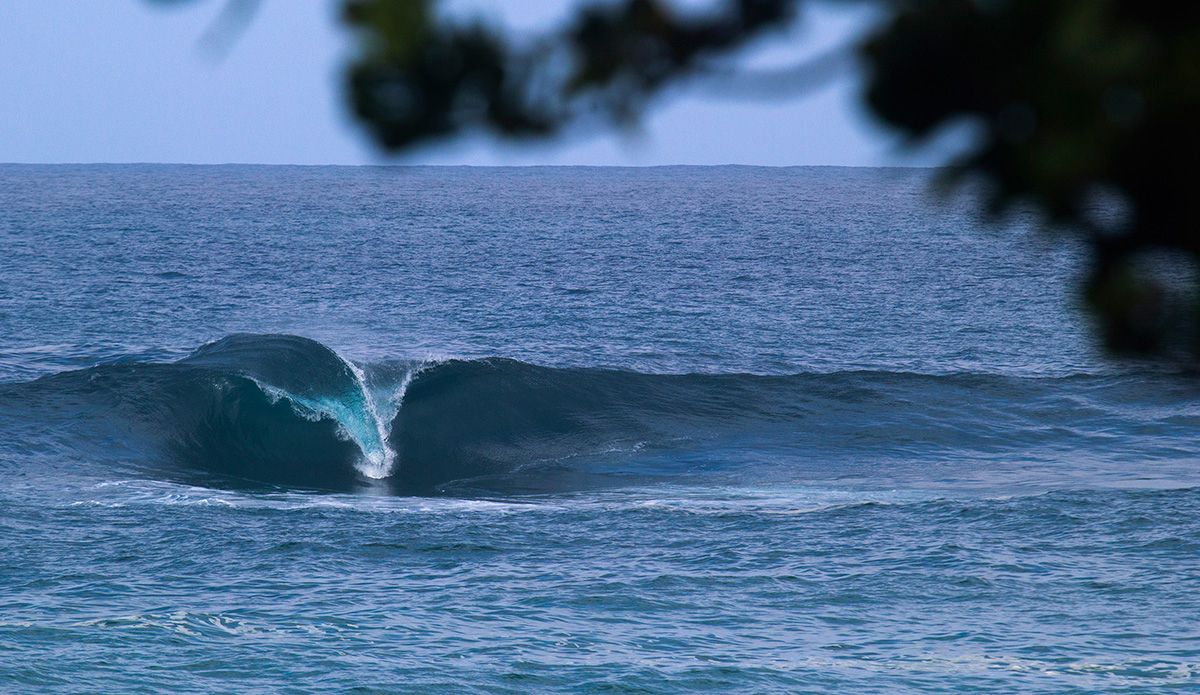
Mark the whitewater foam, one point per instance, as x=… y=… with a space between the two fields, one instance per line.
x=376 y=464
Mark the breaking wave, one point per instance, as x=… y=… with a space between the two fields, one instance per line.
x=290 y=412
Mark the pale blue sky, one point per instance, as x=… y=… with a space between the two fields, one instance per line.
x=126 y=81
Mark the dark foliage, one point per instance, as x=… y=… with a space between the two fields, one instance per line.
x=1089 y=109
x=419 y=79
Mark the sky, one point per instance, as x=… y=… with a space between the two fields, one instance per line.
x=86 y=81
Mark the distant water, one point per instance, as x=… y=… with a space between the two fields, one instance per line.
x=409 y=430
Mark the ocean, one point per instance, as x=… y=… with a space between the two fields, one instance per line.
x=574 y=430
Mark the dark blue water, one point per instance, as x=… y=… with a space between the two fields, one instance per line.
x=391 y=430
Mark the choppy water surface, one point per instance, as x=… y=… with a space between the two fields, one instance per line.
x=572 y=430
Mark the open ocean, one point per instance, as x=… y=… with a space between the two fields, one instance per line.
x=573 y=430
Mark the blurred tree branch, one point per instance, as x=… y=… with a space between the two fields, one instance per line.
x=235 y=17
x=1086 y=108
x=1089 y=110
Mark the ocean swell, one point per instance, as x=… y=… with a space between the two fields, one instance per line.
x=290 y=412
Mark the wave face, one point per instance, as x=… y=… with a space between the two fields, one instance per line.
x=503 y=424
x=287 y=411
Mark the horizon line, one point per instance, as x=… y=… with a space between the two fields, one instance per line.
x=471 y=166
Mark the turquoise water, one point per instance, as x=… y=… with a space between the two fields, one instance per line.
x=388 y=430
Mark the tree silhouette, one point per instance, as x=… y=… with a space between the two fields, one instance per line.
x=1087 y=109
